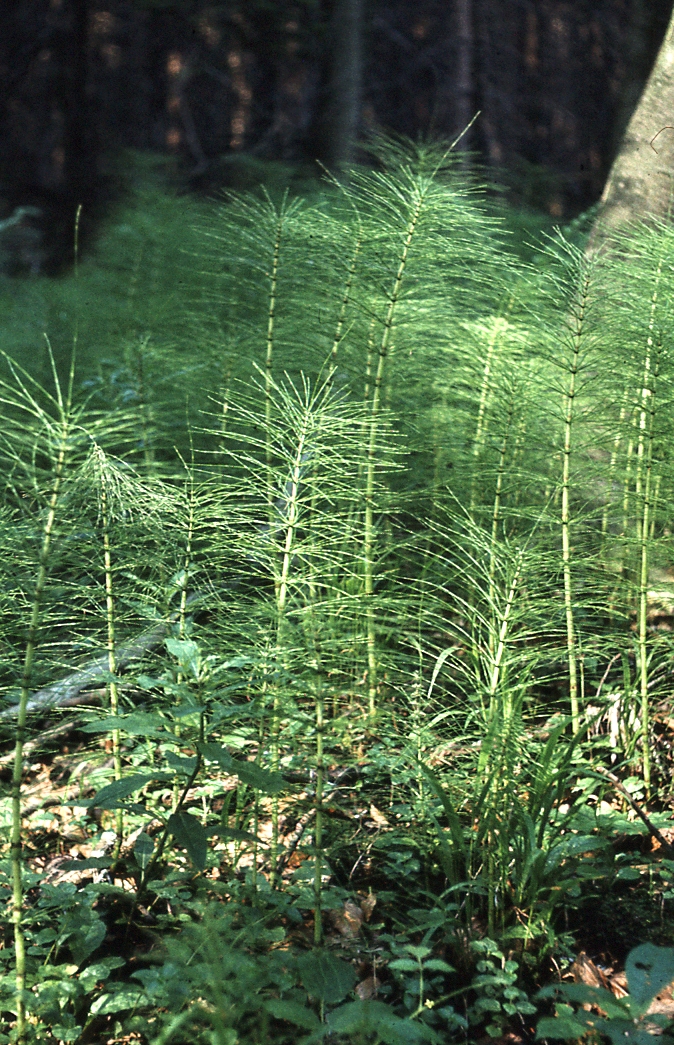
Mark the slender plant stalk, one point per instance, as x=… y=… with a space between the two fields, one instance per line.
x=16 y=842
x=569 y=402
x=346 y=297
x=500 y=325
x=113 y=692
x=656 y=501
x=184 y=585
x=282 y=590
x=373 y=425
x=613 y=462
x=144 y=408
x=646 y=433
x=318 y=828
x=226 y=379
x=498 y=493
x=504 y=627
x=269 y=357
x=627 y=482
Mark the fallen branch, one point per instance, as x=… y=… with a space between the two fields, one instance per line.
x=62 y=729
x=68 y=692
x=652 y=829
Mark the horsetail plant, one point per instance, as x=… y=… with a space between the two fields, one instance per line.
x=54 y=437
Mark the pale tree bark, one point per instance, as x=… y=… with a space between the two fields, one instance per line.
x=640 y=184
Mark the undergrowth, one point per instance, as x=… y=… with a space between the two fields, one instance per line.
x=336 y=621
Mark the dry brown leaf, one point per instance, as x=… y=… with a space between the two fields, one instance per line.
x=377 y=816
x=367 y=988
x=618 y=983
x=349 y=920
x=367 y=905
x=585 y=971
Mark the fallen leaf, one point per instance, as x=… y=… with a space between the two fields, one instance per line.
x=585 y=971
x=349 y=920
x=377 y=816
x=367 y=988
x=367 y=905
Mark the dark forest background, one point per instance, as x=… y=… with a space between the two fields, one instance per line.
x=81 y=81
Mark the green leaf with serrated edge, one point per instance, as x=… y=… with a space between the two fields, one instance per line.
x=404 y=965
x=326 y=977
x=649 y=969
x=437 y=965
x=189 y=834
x=247 y=772
x=143 y=849
x=293 y=1012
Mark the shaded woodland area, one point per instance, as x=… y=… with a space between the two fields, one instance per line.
x=555 y=83
x=336 y=516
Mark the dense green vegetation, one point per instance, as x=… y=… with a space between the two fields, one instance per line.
x=349 y=517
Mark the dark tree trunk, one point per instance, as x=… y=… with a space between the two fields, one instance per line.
x=77 y=161
x=464 y=85
x=338 y=118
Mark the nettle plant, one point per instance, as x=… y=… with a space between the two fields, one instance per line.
x=419 y=514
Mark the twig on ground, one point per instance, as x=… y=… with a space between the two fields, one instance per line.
x=652 y=829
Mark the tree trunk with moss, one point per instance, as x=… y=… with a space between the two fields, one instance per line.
x=641 y=180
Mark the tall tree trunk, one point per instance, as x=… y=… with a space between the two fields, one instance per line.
x=465 y=88
x=640 y=183
x=339 y=116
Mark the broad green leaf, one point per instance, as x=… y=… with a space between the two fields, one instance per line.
x=126 y=997
x=143 y=849
x=232 y=834
x=186 y=653
x=627 y=1032
x=293 y=1012
x=574 y=845
x=325 y=977
x=93 y=974
x=437 y=965
x=247 y=772
x=404 y=965
x=376 y=1018
x=189 y=834
x=138 y=724
x=98 y=863
x=583 y=994
x=86 y=940
x=181 y=765
x=561 y=1028
x=122 y=789
x=649 y=969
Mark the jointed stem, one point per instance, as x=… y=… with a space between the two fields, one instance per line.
x=375 y=409
x=566 y=513
x=16 y=847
